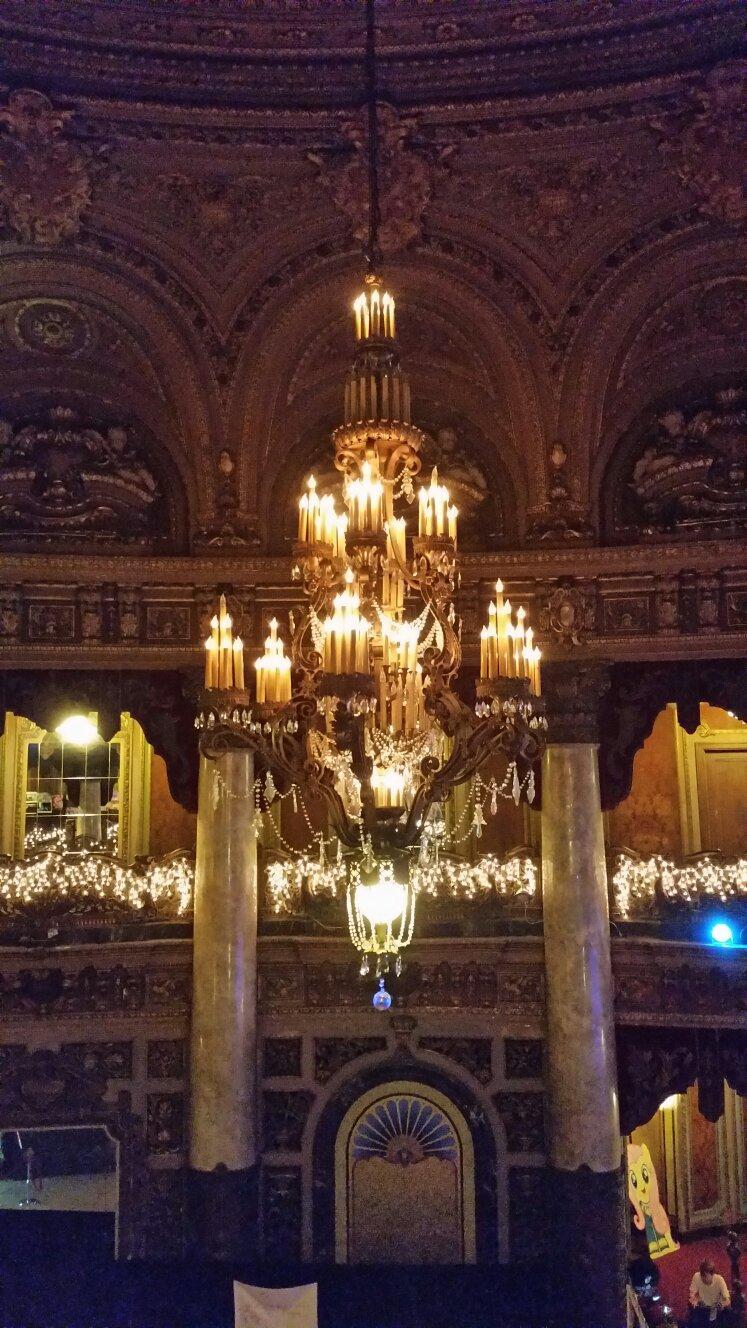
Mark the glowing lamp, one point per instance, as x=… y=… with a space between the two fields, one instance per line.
x=78 y=730
x=381 y=914
x=721 y=933
x=670 y=1103
x=382 y=902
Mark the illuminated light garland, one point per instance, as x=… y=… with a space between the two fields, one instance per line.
x=61 y=882
x=447 y=878
x=286 y=880
x=638 y=882
x=57 y=837
x=443 y=878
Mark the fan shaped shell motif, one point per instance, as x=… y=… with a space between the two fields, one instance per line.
x=405 y=1130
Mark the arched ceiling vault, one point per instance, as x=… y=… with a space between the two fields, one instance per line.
x=182 y=202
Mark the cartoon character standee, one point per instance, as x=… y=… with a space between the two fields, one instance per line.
x=650 y=1214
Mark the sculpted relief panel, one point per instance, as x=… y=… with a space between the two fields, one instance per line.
x=686 y=473
x=60 y=480
x=406 y=179
x=705 y=144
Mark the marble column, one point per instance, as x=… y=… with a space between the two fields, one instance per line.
x=223 y=1146
x=587 y=1237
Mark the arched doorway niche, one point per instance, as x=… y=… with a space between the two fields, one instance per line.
x=404 y=1179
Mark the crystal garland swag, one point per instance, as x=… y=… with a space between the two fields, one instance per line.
x=363 y=713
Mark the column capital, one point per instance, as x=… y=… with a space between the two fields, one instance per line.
x=573 y=692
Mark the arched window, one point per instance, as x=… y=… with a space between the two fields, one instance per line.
x=404 y=1179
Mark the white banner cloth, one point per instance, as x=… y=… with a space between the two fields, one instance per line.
x=275 y=1307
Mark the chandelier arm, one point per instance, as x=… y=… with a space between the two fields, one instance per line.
x=474 y=744
x=443 y=662
x=306 y=659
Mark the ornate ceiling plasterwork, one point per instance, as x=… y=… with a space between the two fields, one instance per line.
x=63 y=480
x=44 y=185
x=180 y=223
x=706 y=144
x=286 y=53
x=406 y=180
x=683 y=473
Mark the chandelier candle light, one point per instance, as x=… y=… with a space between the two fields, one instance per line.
x=273 y=670
x=224 y=654
x=507 y=649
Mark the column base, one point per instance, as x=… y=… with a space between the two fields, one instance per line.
x=224 y=1214
x=587 y=1249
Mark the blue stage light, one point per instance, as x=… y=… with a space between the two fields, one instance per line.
x=721 y=933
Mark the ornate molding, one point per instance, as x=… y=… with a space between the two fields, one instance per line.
x=655 y=1062
x=514 y=989
x=705 y=144
x=625 y=602
x=502 y=51
x=44 y=184
x=406 y=179
x=43 y=992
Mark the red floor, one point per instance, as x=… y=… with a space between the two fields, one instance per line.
x=677 y=1269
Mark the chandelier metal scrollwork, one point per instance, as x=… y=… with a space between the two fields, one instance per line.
x=364 y=713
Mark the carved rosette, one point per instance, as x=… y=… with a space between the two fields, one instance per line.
x=568 y=613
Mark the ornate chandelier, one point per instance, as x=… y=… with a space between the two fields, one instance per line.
x=364 y=713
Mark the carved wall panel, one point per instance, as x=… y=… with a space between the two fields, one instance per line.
x=62 y=480
x=282 y=1058
x=682 y=474
x=524 y=1058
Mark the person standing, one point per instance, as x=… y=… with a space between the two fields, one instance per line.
x=709 y=1296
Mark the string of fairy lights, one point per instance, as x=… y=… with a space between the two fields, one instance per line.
x=62 y=881
x=57 y=879
x=639 y=883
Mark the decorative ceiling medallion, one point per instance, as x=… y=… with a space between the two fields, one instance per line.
x=44 y=185
x=51 y=326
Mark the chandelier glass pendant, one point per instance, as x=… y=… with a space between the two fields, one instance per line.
x=364 y=713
